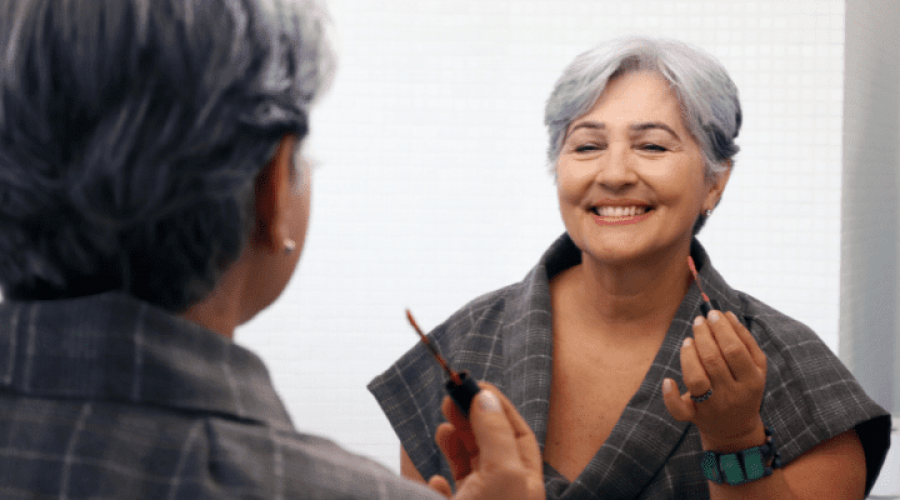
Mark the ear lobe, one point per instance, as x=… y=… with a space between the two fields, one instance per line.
x=272 y=191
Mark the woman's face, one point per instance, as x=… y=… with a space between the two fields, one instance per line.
x=630 y=176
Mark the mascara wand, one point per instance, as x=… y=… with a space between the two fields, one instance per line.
x=460 y=387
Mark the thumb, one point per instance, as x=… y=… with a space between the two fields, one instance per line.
x=493 y=431
x=439 y=484
x=677 y=406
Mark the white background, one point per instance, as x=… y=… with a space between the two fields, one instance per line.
x=432 y=186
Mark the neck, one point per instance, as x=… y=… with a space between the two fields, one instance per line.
x=215 y=313
x=221 y=310
x=634 y=296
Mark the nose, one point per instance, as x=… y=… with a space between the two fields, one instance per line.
x=616 y=169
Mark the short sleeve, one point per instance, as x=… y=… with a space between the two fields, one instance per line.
x=410 y=394
x=810 y=395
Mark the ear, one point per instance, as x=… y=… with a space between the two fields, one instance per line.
x=717 y=188
x=273 y=187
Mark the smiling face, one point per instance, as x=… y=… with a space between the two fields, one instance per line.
x=630 y=176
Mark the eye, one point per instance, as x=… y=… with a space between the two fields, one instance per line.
x=588 y=147
x=656 y=148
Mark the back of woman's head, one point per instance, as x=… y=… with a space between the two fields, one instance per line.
x=131 y=133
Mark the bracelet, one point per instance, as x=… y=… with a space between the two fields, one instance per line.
x=745 y=466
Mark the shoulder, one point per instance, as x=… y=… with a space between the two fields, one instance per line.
x=797 y=356
x=151 y=451
x=410 y=391
x=810 y=395
x=784 y=338
x=480 y=318
x=316 y=466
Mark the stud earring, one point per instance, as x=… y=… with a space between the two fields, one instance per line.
x=708 y=213
x=289 y=246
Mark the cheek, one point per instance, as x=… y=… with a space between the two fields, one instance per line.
x=681 y=185
x=571 y=184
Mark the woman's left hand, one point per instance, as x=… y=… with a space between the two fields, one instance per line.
x=722 y=356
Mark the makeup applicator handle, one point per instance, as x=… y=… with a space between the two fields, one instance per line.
x=462 y=394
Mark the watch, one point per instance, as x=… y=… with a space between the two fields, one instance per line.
x=743 y=466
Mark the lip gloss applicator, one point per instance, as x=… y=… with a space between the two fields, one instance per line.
x=460 y=387
x=706 y=306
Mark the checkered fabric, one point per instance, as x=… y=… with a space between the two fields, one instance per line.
x=106 y=397
x=505 y=337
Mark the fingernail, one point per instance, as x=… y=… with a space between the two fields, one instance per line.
x=488 y=402
x=713 y=316
x=667 y=386
x=687 y=342
x=698 y=321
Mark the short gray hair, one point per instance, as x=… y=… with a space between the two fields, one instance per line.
x=708 y=97
x=131 y=134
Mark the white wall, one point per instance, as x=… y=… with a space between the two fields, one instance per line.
x=870 y=245
x=433 y=187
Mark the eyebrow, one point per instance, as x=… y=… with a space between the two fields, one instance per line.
x=637 y=127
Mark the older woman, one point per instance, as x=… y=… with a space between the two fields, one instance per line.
x=149 y=204
x=597 y=343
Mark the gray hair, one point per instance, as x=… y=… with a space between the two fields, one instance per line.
x=132 y=132
x=709 y=99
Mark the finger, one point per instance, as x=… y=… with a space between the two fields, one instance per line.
x=759 y=357
x=737 y=357
x=679 y=408
x=710 y=356
x=529 y=450
x=454 y=449
x=693 y=373
x=494 y=432
x=439 y=484
x=455 y=417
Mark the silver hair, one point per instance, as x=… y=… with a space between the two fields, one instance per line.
x=132 y=132
x=709 y=99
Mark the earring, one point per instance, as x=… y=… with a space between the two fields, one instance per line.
x=708 y=213
x=289 y=246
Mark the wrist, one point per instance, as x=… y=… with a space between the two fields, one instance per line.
x=756 y=436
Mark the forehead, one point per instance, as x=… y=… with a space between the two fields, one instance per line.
x=642 y=96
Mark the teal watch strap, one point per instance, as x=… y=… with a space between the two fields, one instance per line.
x=741 y=467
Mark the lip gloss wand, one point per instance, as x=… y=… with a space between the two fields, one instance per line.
x=460 y=387
x=706 y=306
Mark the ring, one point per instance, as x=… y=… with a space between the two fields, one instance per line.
x=704 y=397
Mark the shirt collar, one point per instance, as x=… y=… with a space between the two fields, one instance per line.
x=522 y=341
x=114 y=347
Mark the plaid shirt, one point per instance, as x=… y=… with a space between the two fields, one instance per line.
x=109 y=397
x=505 y=337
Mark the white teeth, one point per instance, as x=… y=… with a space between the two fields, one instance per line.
x=619 y=211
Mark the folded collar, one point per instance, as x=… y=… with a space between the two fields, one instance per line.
x=114 y=347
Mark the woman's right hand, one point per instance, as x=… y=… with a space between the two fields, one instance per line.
x=493 y=454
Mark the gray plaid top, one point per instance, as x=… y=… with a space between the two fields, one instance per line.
x=107 y=397
x=505 y=337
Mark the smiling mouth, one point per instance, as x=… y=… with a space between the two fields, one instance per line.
x=607 y=211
